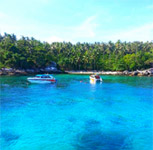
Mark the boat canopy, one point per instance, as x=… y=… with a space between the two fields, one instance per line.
x=44 y=76
x=38 y=75
x=95 y=76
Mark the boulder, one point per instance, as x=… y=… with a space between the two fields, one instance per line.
x=1 y=72
x=6 y=71
x=53 y=64
x=134 y=73
x=50 y=69
x=11 y=73
x=42 y=70
x=146 y=73
x=126 y=72
x=150 y=71
x=30 y=70
x=9 y=69
x=37 y=70
x=22 y=72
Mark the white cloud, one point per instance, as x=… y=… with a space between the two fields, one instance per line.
x=150 y=6
x=86 y=29
x=2 y=15
x=54 y=39
x=141 y=33
x=44 y=1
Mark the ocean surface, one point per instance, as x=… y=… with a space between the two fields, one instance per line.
x=74 y=114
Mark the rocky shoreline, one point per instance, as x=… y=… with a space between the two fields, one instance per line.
x=147 y=72
x=11 y=71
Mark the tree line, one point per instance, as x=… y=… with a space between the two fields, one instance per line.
x=29 y=53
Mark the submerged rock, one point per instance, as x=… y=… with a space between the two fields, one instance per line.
x=9 y=136
x=98 y=140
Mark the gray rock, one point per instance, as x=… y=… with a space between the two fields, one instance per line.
x=150 y=71
x=134 y=73
x=146 y=73
x=22 y=72
x=42 y=70
x=8 y=70
x=125 y=72
x=30 y=70
x=50 y=69
x=53 y=64
x=1 y=72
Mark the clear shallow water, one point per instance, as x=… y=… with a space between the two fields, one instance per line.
x=76 y=115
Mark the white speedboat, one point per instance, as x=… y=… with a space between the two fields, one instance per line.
x=44 y=78
x=95 y=78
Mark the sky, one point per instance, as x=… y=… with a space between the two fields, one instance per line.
x=78 y=20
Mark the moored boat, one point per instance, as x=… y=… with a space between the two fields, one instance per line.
x=95 y=78
x=44 y=78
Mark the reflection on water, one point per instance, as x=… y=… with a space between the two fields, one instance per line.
x=74 y=114
x=95 y=82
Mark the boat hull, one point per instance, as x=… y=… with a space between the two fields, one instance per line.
x=41 y=80
x=95 y=80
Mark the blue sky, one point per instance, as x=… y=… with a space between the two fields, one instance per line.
x=78 y=20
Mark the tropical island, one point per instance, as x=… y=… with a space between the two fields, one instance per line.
x=28 y=55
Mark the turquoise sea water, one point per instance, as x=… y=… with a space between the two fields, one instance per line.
x=76 y=115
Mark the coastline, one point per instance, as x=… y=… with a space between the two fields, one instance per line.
x=11 y=72
x=147 y=72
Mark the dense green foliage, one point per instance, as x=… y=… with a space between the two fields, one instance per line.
x=27 y=53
